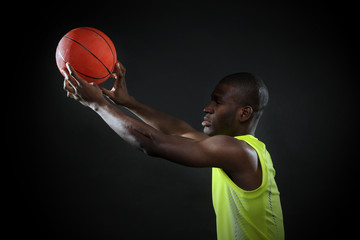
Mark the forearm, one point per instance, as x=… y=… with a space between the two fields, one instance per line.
x=151 y=141
x=129 y=129
x=157 y=119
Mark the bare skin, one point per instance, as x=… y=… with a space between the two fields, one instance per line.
x=164 y=136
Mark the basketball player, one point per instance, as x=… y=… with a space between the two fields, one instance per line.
x=245 y=195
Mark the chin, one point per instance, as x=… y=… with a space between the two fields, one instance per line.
x=208 y=131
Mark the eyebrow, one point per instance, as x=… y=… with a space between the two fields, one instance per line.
x=214 y=95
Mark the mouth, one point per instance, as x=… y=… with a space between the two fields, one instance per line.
x=206 y=122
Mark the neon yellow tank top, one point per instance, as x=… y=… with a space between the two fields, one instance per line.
x=242 y=214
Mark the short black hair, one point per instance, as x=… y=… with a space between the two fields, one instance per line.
x=252 y=90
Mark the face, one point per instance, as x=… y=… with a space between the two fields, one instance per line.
x=220 y=118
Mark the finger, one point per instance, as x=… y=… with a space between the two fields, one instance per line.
x=117 y=77
x=122 y=69
x=94 y=84
x=106 y=92
x=119 y=70
x=73 y=83
x=68 y=87
x=76 y=97
x=74 y=74
x=70 y=94
x=122 y=79
x=116 y=72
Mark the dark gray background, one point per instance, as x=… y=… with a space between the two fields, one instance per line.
x=74 y=178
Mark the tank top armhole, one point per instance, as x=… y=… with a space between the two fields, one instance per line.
x=264 y=171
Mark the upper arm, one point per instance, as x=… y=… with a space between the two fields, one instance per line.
x=219 y=151
x=195 y=135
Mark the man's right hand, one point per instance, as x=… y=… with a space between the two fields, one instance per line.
x=119 y=93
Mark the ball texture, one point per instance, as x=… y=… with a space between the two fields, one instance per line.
x=89 y=51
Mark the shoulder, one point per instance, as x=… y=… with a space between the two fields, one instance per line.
x=228 y=143
x=230 y=152
x=240 y=162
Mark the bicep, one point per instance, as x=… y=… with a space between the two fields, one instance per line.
x=195 y=135
x=209 y=152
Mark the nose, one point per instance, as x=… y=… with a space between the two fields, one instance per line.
x=209 y=109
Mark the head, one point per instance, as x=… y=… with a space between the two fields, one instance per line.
x=236 y=106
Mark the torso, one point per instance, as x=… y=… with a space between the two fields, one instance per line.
x=248 y=176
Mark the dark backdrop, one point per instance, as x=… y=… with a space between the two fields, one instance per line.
x=73 y=177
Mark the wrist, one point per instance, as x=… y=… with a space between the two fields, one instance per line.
x=130 y=103
x=99 y=104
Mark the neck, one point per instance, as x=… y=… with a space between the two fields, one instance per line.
x=245 y=132
x=245 y=129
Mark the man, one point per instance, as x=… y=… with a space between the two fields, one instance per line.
x=245 y=195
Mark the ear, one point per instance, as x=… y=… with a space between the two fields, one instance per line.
x=245 y=113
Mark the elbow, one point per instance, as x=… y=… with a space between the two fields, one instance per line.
x=149 y=145
x=149 y=151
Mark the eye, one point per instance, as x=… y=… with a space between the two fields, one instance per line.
x=217 y=100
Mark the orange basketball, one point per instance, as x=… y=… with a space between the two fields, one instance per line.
x=89 y=51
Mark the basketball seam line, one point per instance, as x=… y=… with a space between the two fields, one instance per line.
x=62 y=58
x=104 y=40
x=91 y=76
x=89 y=52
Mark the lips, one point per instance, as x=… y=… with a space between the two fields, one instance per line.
x=206 y=122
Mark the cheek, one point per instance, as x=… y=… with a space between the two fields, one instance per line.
x=224 y=121
x=215 y=128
